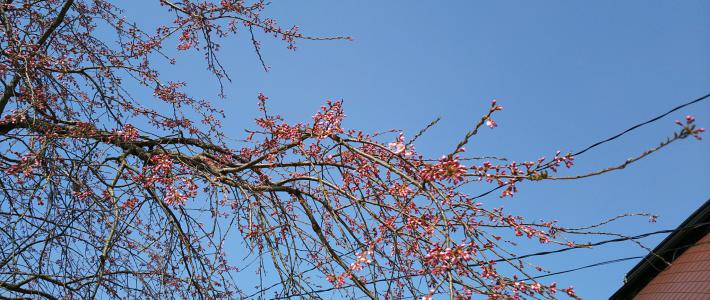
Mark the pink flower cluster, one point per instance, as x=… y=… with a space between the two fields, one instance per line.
x=82 y=195
x=170 y=93
x=689 y=128
x=161 y=173
x=399 y=147
x=327 y=121
x=25 y=166
x=527 y=230
x=400 y=190
x=187 y=39
x=444 y=259
x=494 y=107
x=127 y=133
x=336 y=280
x=447 y=168
x=567 y=160
x=360 y=261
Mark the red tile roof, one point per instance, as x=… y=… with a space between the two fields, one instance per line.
x=688 y=275
x=678 y=268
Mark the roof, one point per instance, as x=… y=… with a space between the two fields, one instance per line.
x=694 y=228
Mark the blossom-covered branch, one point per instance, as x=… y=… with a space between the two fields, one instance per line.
x=106 y=195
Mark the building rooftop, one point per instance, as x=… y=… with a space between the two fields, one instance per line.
x=692 y=230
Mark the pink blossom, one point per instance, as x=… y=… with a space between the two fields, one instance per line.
x=490 y=123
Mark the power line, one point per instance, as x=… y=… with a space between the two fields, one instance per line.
x=618 y=135
x=586 y=267
x=542 y=253
x=569 y=270
x=654 y=119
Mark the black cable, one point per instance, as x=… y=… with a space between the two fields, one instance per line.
x=562 y=272
x=589 y=245
x=642 y=124
x=632 y=128
x=585 y=246
x=585 y=267
x=607 y=262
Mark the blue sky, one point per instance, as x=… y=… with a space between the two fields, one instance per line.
x=568 y=73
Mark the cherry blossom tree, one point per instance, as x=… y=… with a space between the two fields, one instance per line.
x=104 y=195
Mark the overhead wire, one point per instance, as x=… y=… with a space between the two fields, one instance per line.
x=541 y=253
x=594 y=145
x=616 y=136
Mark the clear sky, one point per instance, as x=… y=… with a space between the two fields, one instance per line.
x=568 y=73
